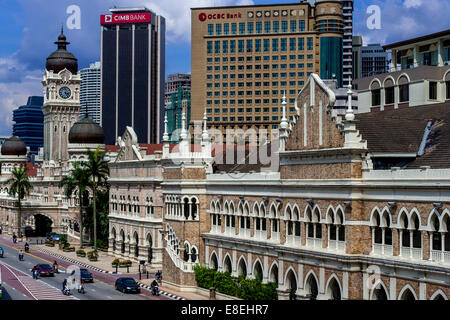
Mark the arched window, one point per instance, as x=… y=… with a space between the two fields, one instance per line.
x=292 y=285
x=381 y=233
x=296 y=225
x=186 y=252
x=313 y=228
x=186 y=208
x=312 y=289
x=439 y=238
x=411 y=237
x=379 y=293
x=334 y=290
x=275 y=224
x=403 y=87
x=194 y=255
x=407 y=295
x=227 y=265
x=258 y=271
x=214 y=265
x=289 y=226
x=389 y=95
x=242 y=268
x=376 y=93
x=274 y=274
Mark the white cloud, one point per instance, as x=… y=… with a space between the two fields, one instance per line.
x=178 y=14
x=412 y=3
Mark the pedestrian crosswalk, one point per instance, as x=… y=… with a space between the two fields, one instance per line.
x=42 y=291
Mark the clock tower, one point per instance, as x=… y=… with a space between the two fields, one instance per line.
x=61 y=83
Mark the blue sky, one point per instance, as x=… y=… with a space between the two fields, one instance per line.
x=29 y=28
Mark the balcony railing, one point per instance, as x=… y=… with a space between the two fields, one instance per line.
x=411 y=253
x=335 y=245
x=440 y=256
x=314 y=243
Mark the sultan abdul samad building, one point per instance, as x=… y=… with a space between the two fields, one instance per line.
x=345 y=215
x=338 y=212
x=65 y=141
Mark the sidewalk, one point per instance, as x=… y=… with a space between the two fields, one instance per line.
x=182 y=294
x=103 y=263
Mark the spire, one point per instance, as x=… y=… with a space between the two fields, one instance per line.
x=62 y=43
x=166 y=129
x=183 y=134
x=349 y=115
x=284 y=123
x=205 y=134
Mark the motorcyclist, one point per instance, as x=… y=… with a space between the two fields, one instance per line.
x=55 y=267
x=27 y=247
x=65 y=288
x=14 y=238
x=155 y=289
x=20 y=255
x=81 y=286
x=35 y=273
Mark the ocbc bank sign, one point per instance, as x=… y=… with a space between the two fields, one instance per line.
x=216 y=16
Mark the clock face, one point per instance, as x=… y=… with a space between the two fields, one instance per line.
x=65 y=92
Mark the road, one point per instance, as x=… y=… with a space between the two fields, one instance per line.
x=18 y=283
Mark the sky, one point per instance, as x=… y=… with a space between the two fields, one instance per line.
x=28 y=29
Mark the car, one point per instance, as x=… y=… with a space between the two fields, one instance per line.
x=45 y=270
x=1 y=252
x=86 y=276
x=127 y=285
x=56 y=237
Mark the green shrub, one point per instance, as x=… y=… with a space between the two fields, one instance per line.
x=247 y=289
x=115 y=261
x=81 y=251
x=92 y=255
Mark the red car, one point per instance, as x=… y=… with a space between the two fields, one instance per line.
x=45 y=270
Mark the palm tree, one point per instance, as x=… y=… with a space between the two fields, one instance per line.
x=98 y=171
x=78 y=180
x=19 y=185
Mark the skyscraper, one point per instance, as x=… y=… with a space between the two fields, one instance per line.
x=245 y=57
x=29 y=123
x=90 y=91
x=374 y=60
x=347 y=52
x=132 y=74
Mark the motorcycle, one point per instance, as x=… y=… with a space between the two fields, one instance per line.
x=155 y=291
x=27 y=249
x=81 y=288
x=66 y=291
x=20 y=256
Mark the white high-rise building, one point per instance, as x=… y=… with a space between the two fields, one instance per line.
x=90 y=92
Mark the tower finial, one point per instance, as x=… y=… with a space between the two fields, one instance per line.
x=284 y=123
x=166 y=129
x=349 y=115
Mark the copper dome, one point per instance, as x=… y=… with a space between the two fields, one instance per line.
x=62 y=58
x=14 y=147
x=86 y=131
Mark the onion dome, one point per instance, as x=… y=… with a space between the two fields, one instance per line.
x=14 y=147
x=86 y=131
x=62 y=58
